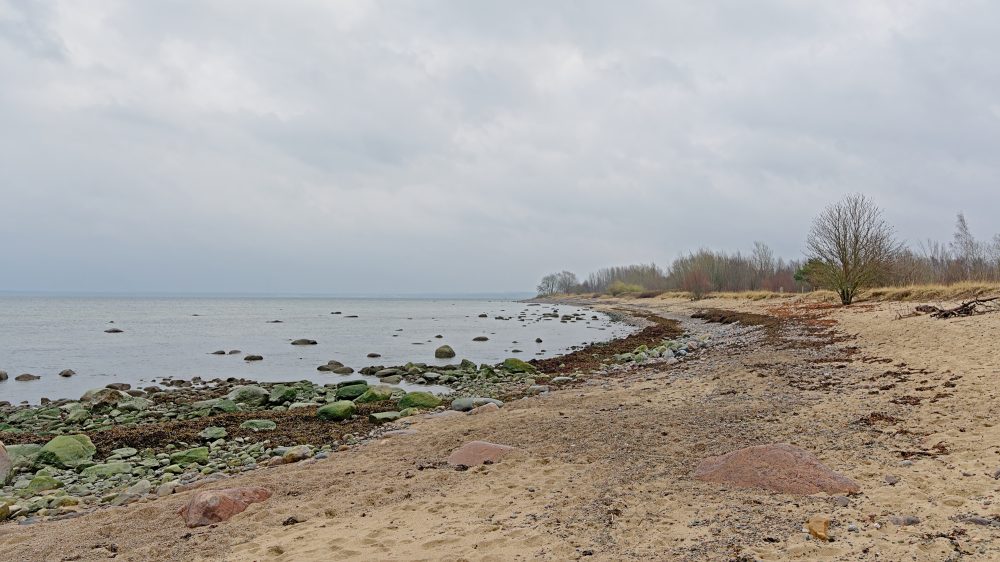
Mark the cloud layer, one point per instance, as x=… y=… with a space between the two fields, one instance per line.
x=313 y=146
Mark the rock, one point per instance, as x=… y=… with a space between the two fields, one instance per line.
x=304 y=342
x=351 y=392
x=905 y=521
x=259 y=425
x=444 y=352
x=342 y=370
x=480 y=338
x=67 y=451
x=212 y=433
x=215 y=506
x=484 y=409
x=133 y=493
x=254 y=358
x=391 y=379
x=337 y=411
x=422 y=400
x=219 y=352
x=383 y=417
x=475 y=453
x=467 y=404
x=67 y=373
x=378 y=393
x=536 y=389
x=103 y=397
x=780 y=467
x=27 y=377
x=196 y=455
x=234 y=352
x=297 y=453
x=538 y=340
x=251 y=395
x=819 y=527
x=134 y=404
x=113 y=331
x=23 y=456
x=41 y=483
x=6 y=465
x=374 y=355
x=107 y=469
x=122 y=386
x=3 y=375
x=281 y=394
x=891 y=479
x=515 y=365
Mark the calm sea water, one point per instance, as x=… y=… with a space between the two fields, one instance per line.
x=175 y=337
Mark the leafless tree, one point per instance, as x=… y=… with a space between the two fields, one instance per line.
x=853 y=245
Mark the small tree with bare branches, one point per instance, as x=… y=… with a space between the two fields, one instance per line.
x=851 y=245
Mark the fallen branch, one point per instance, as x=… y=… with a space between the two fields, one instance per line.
x=968 y=308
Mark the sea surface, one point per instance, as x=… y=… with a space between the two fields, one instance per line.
x=175 y=337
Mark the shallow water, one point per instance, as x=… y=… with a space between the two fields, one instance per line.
x=174 y=337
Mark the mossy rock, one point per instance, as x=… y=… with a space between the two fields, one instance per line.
x=351 y=392
x=517 y=366
x=419 y=399
x=281 y=394
x=337 y=411
x=41 y=483
x=196 y=455
x=259 y=425
x=379 y=393
x=383 y=417
x=213 y=433
x=250 y=394
x=444 y=352
x=106 y=470
x=67 y=451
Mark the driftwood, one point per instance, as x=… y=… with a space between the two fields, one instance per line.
x=968 y=308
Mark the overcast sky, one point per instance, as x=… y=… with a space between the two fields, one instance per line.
x=435 y=146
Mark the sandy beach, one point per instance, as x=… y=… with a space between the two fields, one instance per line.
x=603 y=468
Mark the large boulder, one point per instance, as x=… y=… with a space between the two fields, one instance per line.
x=780 y=468
x=24 y=455
x=67 y=451
x=337 y=411
x=351 y=392
x=281 y=394
x=215 y=506
x=475 y=453
x=419 y=399
x=444 y=352
x=251 y=395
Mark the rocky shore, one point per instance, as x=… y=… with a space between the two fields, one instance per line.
x=118 y=445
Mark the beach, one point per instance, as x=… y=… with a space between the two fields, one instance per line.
x=603 y=463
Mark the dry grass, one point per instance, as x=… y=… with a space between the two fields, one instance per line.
x=959 y=291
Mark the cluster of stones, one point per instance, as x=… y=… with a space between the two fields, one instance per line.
x=670 y=351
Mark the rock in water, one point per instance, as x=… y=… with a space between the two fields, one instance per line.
x=27 y=377
x=113 y=331
x=3 y=375
x=253 y=358
x=444 y=352
x=67 y=373
x=780 y=468
x=304 y=342
x=216 y=506
x=475 y=453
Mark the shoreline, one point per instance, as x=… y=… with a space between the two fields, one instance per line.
x=235 y=426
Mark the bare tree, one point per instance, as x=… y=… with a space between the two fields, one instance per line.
x=566 y=282
x=548 y=284
x=852 y=245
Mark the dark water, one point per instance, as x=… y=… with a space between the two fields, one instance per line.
x=175 y=337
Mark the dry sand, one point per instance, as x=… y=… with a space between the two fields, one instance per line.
x=604 y=470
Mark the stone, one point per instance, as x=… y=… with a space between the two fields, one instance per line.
x=297 y=453
x=515 y=365
x=444 y=352
x=259 y=425
x=113 y=331
x=480 y=338
x=107 y=469
x=475 y=453
x=337 y=411
x=254 y=358
x=6 y=465
x=219 y=352
x=282 y=393
x=374 y=355
x=379 y=393
x=251 y=395
x=351 y=392
x=391 y=379
x=779 y=467
x=103 y=397
x=891 y=479
x=215 y=506
x=134 y=404
x=27 y=377
x=304 y=342
x=196 y=455
x=67 y=373
x=212 y=433
x=819 y=527
x=3 y=375
x=67 y=451
x=419 y=399
x=342 y=370
x=41 y=483
x=484 y=409
x=383 y=417
x=467 y=404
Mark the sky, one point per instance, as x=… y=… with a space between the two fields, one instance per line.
x=454 y=146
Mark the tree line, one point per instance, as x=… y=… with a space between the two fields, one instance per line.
x=849 y=247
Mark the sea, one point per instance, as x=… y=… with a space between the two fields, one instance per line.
x=175 y=337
